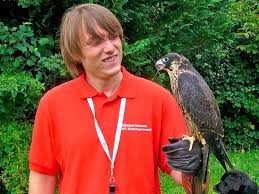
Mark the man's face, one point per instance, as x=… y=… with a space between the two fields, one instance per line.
x=102 y=57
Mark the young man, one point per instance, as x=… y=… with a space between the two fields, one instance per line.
x=102 y=131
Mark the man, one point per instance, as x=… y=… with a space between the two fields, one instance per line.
x=103 y=131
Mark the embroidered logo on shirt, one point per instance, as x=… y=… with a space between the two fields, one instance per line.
x=135 y=127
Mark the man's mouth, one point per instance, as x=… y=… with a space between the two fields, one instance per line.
x=110 y=59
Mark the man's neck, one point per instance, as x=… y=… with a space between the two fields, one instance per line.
x=107 y=86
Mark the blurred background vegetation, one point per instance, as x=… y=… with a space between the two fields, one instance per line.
x=219 y=37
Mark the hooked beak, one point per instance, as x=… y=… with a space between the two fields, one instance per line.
x=160 y=65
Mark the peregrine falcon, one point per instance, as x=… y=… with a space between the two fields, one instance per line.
x=199 y=108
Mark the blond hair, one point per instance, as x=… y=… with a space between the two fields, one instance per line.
x=77 y=20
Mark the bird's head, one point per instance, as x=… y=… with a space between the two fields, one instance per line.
x=171 y=62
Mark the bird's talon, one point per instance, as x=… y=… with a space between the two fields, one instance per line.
x=190 y=139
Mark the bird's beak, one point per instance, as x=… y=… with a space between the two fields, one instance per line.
x=160 y=65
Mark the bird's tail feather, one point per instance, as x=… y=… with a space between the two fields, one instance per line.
x=221 y=154
x=205 y=162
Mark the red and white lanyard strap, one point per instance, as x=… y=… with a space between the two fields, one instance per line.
x=117 y=137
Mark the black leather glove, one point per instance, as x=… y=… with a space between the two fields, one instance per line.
x=180 y=158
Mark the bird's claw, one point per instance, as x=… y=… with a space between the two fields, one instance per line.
x=190 y=139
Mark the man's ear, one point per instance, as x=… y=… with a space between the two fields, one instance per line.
x=78 y=58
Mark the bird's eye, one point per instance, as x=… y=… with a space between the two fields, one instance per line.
x=165 y=59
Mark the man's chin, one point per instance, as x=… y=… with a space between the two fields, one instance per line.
x=115 y=69
x=113 y=72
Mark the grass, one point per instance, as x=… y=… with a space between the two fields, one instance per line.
x=247 y=162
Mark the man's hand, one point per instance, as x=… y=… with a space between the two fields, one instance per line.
x=180 y=158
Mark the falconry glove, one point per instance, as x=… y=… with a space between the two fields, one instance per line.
x=180 y=158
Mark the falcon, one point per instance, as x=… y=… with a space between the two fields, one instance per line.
x=199 y=108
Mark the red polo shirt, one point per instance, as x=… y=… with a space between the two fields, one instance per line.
x=65 y=142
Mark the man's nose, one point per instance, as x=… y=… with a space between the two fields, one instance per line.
x=108 y=46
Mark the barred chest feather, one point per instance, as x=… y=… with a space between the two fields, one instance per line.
x=174 y=75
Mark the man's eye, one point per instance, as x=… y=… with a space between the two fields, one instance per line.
x=113 y=37
x=95 y=42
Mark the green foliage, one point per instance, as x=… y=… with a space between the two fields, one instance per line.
x=19 y=95
x=237 y=97
x=245 y=16
x=135 y=54
x=28 y=3
x=17 y=45
x=28 y=66
x=238 y=94
x=21 y=50
x=14 y=148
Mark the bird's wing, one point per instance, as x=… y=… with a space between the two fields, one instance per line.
x=199 y=102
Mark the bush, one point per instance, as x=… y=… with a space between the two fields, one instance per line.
x=19 y=95
x=15 y=141
x=238 y=95
x=21 y=50
x=28 y=68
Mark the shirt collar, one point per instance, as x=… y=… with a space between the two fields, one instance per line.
x=126 y=89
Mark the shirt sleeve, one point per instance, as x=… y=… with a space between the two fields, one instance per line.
x=41 y=156
x=173 y=125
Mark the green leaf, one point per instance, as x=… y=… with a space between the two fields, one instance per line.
x=39 y=76
x=30 y=63
x=21 y=47
x=252 y=127
x=17 y=62
x=45 y=41
x=7 y=149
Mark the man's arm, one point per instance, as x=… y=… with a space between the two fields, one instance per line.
x=177 y=177
x=41 y=183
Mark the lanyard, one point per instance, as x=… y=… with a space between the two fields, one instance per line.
x=117 y=137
